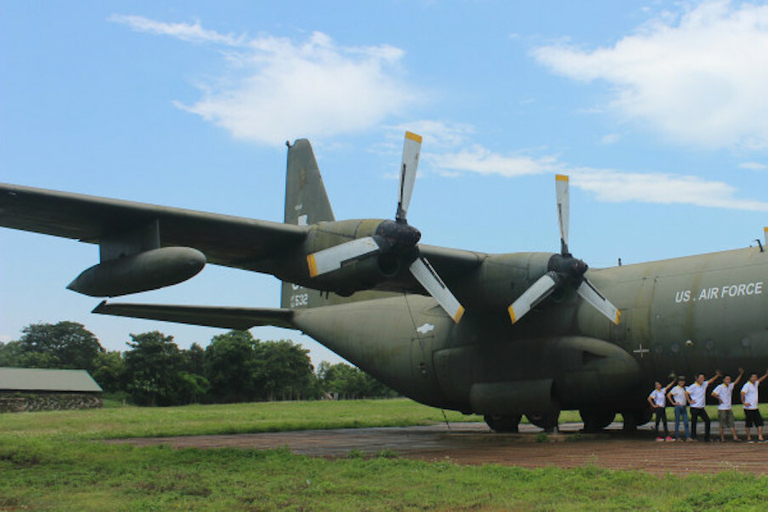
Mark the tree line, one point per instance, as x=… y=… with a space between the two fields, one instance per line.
x=234 y=367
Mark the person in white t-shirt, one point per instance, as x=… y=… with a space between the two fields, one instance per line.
x=724 y=395
x=698 y=393
x=679 y=398
x=658 y=401
x=750 y=399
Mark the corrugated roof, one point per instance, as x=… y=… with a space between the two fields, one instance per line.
x=39 y=379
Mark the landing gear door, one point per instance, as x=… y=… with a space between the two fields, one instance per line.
x=454 y=373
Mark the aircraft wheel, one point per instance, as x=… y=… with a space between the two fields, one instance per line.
x=596 y=420
x=547 y=421
x=634 y=418
x=503 y=424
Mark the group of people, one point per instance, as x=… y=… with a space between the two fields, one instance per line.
x=695 y=395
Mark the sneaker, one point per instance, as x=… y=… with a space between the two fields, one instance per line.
x=659 y=438
x=690 y=440
x=669 y=439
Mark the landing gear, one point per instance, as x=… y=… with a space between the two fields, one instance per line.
x=503 y=424
x=635 y=417
x=547 y=421
x=596 y=420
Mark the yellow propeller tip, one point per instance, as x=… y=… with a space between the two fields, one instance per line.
x=413 y=136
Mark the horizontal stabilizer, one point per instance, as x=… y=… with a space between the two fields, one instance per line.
x=211 y=316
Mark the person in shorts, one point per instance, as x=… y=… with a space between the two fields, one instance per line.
x=658 y=401
x=750 y=399
x=724 y=395
x=678 y=397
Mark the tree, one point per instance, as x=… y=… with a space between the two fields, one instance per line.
x=10 y=354
x=60 y=345
x=230 y=361
x=194 y=359
x=284 y=371
x=152 y=367
x=349 y=382
x=109 y=371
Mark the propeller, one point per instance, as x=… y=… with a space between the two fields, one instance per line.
x=394 y=237
x=563 y=269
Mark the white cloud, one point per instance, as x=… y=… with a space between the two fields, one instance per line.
x=615 y=187
x=437 y=134
x=280 y=89
x=478 y=159
x=753 y=166
x=700 y=78
x=608 y=185
x=184 y=31
x=611 y=138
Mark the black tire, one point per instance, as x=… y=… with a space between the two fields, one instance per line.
x=596 y=420
x=504 y=424
x=546 y=421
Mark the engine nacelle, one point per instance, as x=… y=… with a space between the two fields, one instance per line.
x=148 y=270
x=359 y=275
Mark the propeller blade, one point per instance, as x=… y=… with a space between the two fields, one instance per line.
x=563 y=210
x=428 y=278
x=411 y=150
x=765 y=232
x=589 y=293
x=331 y=259
x=538 y=291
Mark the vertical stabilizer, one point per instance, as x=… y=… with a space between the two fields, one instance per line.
x=306 y=202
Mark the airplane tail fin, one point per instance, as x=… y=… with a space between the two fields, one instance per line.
x=306 y=202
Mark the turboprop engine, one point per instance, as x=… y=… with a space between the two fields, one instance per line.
x=144 y=271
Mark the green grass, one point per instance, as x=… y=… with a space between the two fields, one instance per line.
x=54 y=461
x=129 y=421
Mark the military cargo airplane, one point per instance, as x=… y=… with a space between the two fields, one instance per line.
x=502 y=335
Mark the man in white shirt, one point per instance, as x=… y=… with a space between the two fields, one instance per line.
x=750 y=399
x=698 y=393
x=679 y=398
x=658 y=401
x=724 y=395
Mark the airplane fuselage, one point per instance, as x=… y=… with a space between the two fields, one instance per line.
x=687 y=315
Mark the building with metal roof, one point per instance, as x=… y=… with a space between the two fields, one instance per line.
x=37 y=389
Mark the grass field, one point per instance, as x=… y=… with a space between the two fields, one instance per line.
x=54 y=461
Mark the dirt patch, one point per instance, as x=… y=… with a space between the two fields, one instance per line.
x=474 y=443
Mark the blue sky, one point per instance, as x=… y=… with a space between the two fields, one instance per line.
x=656 y=109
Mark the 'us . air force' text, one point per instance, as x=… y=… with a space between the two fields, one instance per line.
x=721 y=292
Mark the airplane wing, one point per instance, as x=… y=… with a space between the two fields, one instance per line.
x=230 y=241
x=211 y=316
x=225 y=240
x=452 y=263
